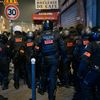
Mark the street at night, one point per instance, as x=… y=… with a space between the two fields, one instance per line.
x=49 y=50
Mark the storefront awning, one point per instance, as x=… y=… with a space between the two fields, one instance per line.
x=46 y=16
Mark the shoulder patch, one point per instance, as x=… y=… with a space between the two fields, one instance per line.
x=37 y=47
x=29 y=44
x=88 y=54
x=18 y=40
x=48 y=42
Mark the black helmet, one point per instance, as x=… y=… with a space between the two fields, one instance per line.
x=3 y=38
x=60 y=28
x=47 y=25
x=95 y=36
x=86 y=37
x=30 y=35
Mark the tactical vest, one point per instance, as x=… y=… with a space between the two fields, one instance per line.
x=49 y=44
x=29 y=45
x=70 y=43
x=18 y=42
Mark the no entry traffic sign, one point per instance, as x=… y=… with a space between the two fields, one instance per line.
x=12 y=12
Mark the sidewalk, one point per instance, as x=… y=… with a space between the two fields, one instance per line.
x=24 y=93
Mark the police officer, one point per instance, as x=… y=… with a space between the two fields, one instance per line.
x=4 y=62
x=18 y=55
x=62 y=71
x=37 y=56
x=29 y=45
x=78 y=52
x=50 y=45
x=70 y=41
x=80 y=48
x=88 y=35
x=90 y=60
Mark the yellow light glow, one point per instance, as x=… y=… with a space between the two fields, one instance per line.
x=6 y=2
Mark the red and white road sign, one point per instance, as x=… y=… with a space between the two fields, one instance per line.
x=12 y=12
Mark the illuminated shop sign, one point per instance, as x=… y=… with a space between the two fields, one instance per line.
x=46 y=4
x=46 y=16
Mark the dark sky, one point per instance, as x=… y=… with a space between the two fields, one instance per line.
x=26 y=8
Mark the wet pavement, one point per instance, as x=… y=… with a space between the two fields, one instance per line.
x=23 y=93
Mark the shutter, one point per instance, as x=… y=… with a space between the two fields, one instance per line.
x=98 y=13
x=91 y=12
x=68 y=18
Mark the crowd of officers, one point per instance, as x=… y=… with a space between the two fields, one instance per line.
x=64 y=57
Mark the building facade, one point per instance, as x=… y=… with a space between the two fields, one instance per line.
x=91 y=12
x=85 y=12
x=71 y=14
x=98 y=13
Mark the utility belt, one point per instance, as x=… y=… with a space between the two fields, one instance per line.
x=53 y=53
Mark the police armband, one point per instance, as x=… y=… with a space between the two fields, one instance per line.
x=87 y=54
x=18 y=40
x=29 y=44
x=37 y=47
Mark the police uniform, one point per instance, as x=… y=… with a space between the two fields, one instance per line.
x=90 y=60
x=50 y=45
x=78 y=52
x=62 y=71
x=17 y=43
x=4 y=62
x=70 y=43
x=37 y=57
x=29 y=46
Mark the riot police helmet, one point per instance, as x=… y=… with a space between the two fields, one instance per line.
x=86 y=37
x=3 y=38
x=72 y=31
x=30 y=35
x=95 y=36
x=17 y=29
x=88 y=30
x=60 y=28
x=66 y=32
x=47 y=25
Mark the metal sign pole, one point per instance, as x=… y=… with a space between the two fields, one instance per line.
x=33 y=79
x=11 y=26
